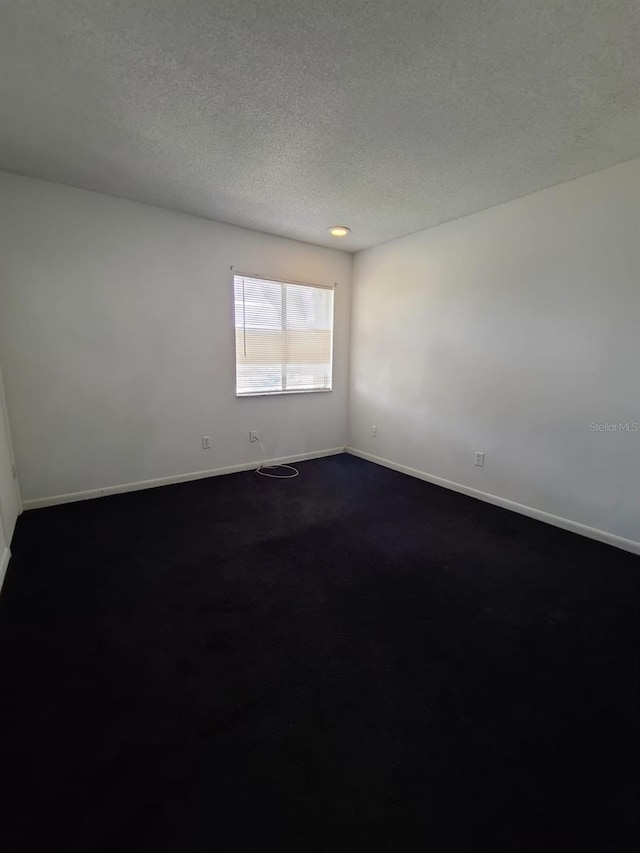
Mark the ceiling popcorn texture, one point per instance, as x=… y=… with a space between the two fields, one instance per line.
x=387 y=115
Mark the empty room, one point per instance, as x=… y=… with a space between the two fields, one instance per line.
x=319 y=426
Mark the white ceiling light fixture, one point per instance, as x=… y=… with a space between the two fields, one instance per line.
x=339 y=230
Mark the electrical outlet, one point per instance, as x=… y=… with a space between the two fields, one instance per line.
x=253 y=436
x=206 y=442
x=374 y=431
x=479 y=458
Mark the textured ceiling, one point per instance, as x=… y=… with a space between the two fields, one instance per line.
x=386 y=115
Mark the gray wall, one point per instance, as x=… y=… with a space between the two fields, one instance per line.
x=510 y=332
x=117 y=341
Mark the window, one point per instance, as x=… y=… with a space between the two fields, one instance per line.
x=284 y=336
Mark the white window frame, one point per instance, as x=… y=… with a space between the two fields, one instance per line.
x=283 y=391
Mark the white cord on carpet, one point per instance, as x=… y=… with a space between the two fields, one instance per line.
x=261 y=470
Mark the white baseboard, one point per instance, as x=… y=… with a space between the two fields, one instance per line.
x=556 y=520
x=4 y=562
x=70 y=497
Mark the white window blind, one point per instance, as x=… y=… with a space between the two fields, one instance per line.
x=284 y=335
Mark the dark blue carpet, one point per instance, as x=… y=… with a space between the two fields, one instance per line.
x=353 y=660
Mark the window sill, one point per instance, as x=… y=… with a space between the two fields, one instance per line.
x=284 y=393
